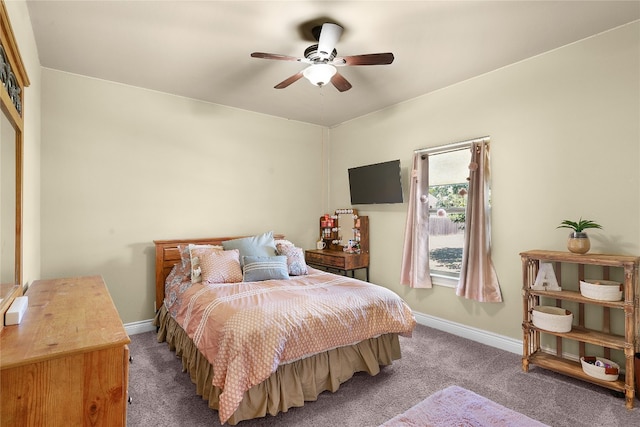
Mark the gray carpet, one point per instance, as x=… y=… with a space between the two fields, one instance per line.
x=163 y=395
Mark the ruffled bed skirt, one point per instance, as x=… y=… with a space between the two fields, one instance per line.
x=292 y=384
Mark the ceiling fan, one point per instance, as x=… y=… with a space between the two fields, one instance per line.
x=323 y=60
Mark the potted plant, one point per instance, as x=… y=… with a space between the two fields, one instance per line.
x=578 y=239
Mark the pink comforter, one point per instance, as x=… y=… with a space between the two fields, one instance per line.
x=247 y=329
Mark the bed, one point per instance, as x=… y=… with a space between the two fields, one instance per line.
x=276 y=336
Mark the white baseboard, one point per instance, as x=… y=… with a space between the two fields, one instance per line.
x=464 y=331
x=474 y=334
x=140 y=327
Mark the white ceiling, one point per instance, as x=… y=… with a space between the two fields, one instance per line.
x=200 y=49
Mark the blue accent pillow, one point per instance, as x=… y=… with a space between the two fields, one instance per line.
x=258 y=268
x=260 y=245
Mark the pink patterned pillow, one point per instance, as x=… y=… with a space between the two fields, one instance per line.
x=295 y=259
x=283 y=242
x=219 y=266
x=194 y=261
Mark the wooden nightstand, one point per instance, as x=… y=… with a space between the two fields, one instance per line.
x=338 y=260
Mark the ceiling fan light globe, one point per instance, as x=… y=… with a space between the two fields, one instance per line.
x=319 y=74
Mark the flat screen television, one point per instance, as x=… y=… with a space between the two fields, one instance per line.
x=377 y=183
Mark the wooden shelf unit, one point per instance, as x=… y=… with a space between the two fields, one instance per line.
x=573 y=369
x=628 y=343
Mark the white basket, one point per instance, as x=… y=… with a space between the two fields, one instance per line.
x=554 y=319
x=603 y=290
x=600 y=371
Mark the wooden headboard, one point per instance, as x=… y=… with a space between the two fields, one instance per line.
x=168 y=255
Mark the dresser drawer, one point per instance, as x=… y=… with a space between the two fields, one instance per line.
x=337 y=260
x=325 y=259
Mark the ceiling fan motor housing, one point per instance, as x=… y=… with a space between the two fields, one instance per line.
x=311 y=53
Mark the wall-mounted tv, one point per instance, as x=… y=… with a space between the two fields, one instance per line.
x=377 y=183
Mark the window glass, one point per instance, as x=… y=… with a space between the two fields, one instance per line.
x=448 y=187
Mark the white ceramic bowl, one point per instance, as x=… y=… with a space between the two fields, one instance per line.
x=603 y=290
x=554 y=319
x=600 y=371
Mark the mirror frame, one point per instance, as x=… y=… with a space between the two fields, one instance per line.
x=346 y=221
x=11 y=103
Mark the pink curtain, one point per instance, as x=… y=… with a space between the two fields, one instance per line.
x=415 y=253
x=478 y=279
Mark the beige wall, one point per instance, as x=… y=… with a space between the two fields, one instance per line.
x=122 y=166
x=565 y=143
x=21 y=24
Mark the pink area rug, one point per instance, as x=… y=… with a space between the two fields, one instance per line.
x=456 y=406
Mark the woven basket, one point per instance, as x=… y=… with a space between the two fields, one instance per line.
x=603 y=290
x=600 y=372
x=554 y=319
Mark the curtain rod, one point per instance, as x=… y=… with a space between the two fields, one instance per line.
x=451 y=147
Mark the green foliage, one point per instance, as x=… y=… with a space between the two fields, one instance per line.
x=460 y=219
x=580 y=225
x=449 y=195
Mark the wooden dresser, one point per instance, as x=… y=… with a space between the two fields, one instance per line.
x=67 y=362
x=341 y=229
x=338 y=260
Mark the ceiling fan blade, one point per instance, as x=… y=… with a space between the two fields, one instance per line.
x=367 y=59
x=340 y=82
x=288 y=81
x=328 y=39
x=274 y=56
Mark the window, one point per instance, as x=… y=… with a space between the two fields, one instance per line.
x=448 y=189
x=438 y=184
